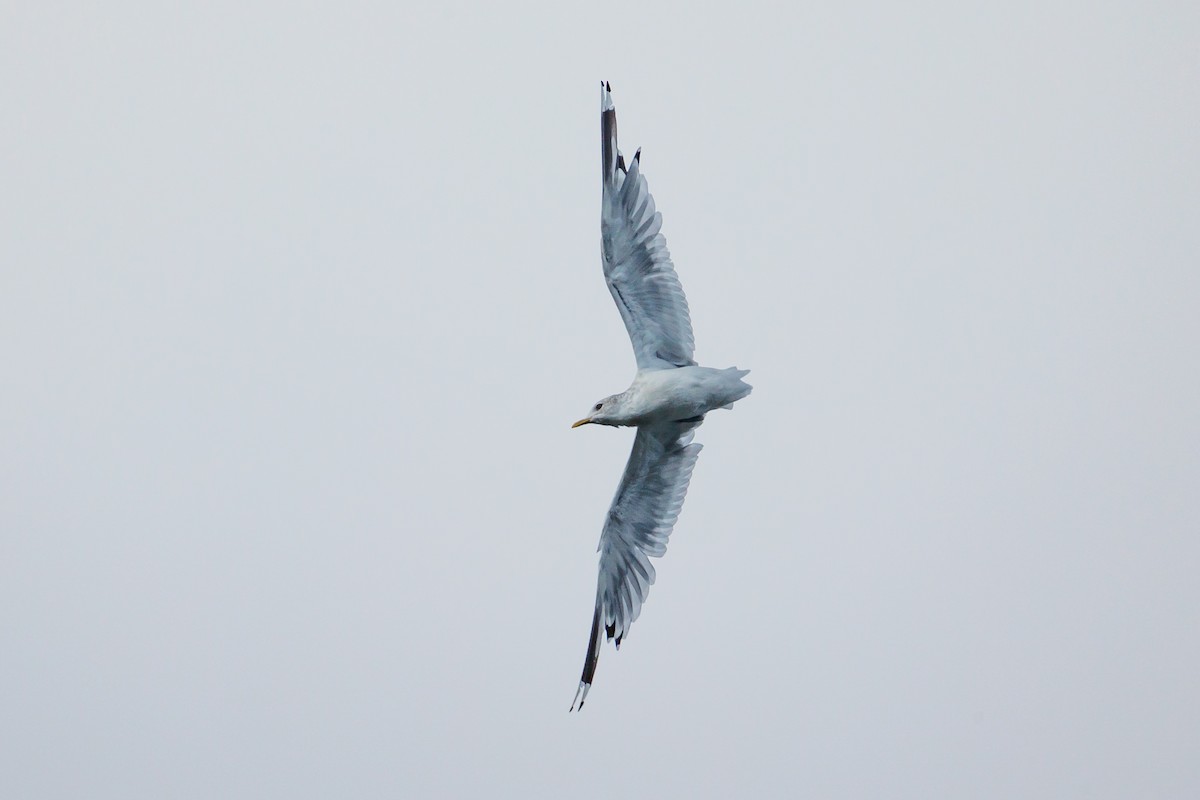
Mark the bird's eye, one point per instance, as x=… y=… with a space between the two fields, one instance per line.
x=598 y=405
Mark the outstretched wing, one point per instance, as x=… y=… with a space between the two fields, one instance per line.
x=639 y=522
x=637 y=266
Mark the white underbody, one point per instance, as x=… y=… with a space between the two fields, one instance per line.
x=683 y=393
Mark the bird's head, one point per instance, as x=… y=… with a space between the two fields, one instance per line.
x=602 y=412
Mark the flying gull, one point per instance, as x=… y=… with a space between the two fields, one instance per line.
x=666 y=402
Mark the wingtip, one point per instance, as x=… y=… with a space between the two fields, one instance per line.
x=606 y=102
x=580 y=696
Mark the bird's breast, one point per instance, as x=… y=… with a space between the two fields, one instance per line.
x=669 y=395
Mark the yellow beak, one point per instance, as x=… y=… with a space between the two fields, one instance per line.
x=581 y=422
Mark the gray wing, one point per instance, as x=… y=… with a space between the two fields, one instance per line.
x=637 y=266
x=640 y=520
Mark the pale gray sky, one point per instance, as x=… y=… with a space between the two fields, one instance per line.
x=297 y=303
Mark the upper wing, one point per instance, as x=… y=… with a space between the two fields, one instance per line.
x=637 y=266
x=639 y=522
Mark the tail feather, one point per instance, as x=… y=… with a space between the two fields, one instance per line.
x=738 y=387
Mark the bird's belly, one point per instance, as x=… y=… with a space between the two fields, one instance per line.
x=672 y=409
x=677 y=394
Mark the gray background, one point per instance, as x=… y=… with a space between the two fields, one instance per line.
x=297 y=303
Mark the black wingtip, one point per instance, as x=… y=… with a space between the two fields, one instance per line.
x=591 y=659
x=607 y=87
x=638 y=155
x=580 y=696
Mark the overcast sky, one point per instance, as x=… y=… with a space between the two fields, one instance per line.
x=297 y=304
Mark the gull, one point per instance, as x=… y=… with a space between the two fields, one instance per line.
x=666 y=402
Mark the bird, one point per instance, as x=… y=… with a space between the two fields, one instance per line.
x=667 y=400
